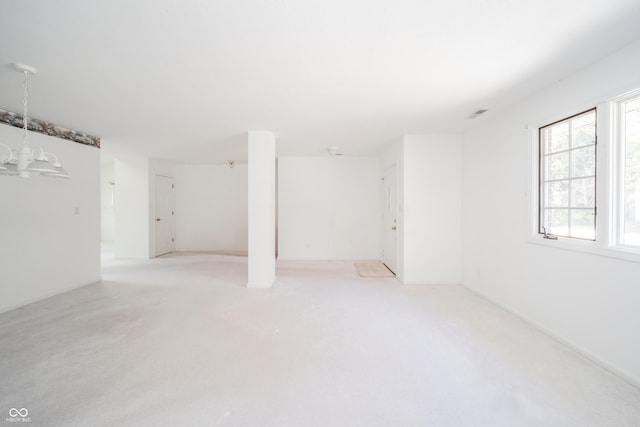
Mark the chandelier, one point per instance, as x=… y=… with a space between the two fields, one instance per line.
x=26 y=161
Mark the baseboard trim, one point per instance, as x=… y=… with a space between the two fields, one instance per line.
x=44 y=297
x=621 y=373
x=427 y=283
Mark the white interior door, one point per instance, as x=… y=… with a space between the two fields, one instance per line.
x=390 y=219
x=164 y=212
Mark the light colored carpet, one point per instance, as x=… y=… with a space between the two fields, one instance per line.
x=373 y=269
x=179 y=341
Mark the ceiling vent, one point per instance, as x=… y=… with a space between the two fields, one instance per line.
x=333 y=151
x=476 y=114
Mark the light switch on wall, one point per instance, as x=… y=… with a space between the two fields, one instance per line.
x=76 y=210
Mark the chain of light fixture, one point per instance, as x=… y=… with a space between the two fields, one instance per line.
x=25 y=106
x=28 y=161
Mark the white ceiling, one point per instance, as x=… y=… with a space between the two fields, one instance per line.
x=184 y=80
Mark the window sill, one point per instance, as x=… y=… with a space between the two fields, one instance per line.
x=588 y=247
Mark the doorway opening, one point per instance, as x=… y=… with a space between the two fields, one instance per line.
x=390 y=219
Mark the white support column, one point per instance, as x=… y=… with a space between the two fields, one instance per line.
x=262 y=209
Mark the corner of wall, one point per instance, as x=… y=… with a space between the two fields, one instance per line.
x=132 y=207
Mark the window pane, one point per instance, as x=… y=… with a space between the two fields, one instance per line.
x=583 y=130
x=557 y=194
x=583 y=162
x=583 y=193
x=557 y=137
x=583 y=224
x=557 y=166
x=631 y=226
x=557 y=221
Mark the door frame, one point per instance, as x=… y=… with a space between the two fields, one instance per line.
x=393 y=168
x=154 y=215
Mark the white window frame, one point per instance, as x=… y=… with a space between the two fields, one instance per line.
x=608 y=183
x=617 y=165
x=570 y=150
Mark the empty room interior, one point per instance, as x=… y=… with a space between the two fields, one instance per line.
x=336 y=213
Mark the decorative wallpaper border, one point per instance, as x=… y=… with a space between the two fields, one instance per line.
x=35 y=125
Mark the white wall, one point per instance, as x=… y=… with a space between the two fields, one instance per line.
x=107 y=191
x=46 y=248
x=132 y=207
x=431 y=212
x=588 y=301
x=211 y=207
x=429 y=207
x=261 y=223
x=329 y=208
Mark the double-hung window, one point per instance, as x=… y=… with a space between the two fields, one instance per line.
x=567 y=173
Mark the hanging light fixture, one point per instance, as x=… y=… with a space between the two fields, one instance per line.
x=25 y=161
